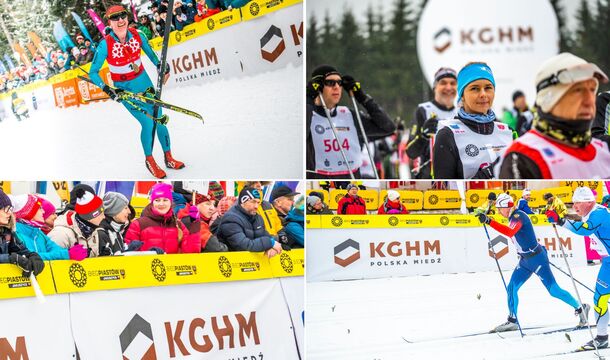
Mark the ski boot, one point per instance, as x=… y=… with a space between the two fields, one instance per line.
x=600 y=340
x=510 y=325
x=172 y=163
x=154 y=169
x=583 y=315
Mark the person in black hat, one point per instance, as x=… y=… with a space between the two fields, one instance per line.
x=520 y=117
x=324 y=158
x=282 y=198
x=426 y=120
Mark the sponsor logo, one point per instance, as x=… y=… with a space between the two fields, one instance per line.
x=553 y=244
x=78 y=275
x=158 y=270
x=474 y=198
x=444 y=220
x=194 y=61
x=499 y=244
x=319 y=129
x=224 y=265
x=211 y=24
x=534 y=220
x=189 y=33
x=442 y=40
x=178 y=36
x=433 y=199
x=144 y=347
x=272 y=37
x=14 y=282
x=336 y=221
x=548 y=152
x=472 y=150
x=19 y=351
x=393 y=220
x=286 y=262
x=347 y=253
x=254 y=8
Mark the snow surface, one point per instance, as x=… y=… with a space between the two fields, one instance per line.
x=253 y=129
x=368 y=319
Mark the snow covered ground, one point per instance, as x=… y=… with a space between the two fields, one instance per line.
x=420 y=318
x=253 y=129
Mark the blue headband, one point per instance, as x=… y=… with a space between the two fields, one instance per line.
x=472 y=73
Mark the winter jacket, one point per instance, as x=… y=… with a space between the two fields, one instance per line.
x=10 y=243
x=162 y=232
x=204 y=226
x=273 y=222
x=67 y=232
x=389 y=207
x=349 y=205
x=295 y=228
x=111 y=236
x=244 y=232
x=324 y=211
x=35 y=240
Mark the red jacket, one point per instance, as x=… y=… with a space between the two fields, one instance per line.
x=350 y=205
x=162 y=231
x=204 y=231
x=392 y=207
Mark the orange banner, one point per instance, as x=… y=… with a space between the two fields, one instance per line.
x=66 y=94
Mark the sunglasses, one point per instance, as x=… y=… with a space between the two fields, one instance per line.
x=118 y=16
x=331 y=83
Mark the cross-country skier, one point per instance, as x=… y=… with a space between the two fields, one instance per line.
x=121 y=47
x=533 y=259
x=593 y=220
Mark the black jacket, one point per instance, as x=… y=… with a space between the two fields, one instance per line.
x=9 y=243
x=111 y=237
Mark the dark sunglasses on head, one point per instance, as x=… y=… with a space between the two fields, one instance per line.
x=118 y=16
x=331 y=83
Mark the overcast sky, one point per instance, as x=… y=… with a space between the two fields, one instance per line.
x=359 y=7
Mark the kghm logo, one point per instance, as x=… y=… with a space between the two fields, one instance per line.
x=78 y=275
x=286 y=262
x=224 y=265
x=211 y=24
x=347 y=252
x=500 y=245
x=336 y=221
x=393 y=220
x=472 y=150
x=474 y=198
x=444 y=220
x=272 y=44
x=144 y=347
x=254 y=8
x=433 y=199
x=158 y=270
x=442 y=40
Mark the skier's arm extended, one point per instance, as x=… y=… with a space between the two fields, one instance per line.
x=585 y=227
x=510 y=230
x=97 y=63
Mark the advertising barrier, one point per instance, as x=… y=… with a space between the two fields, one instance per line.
x=13 y=285
x=405 y=249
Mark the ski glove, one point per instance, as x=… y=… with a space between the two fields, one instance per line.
x=36 y=263
x=194 y=212
x=486 y=172
x=484 y=219
x=22 y=262
x=351 y=84
x=77 y=252
x=134 y=245
x=554 y=217
x=158 y=250
x=114 y=93
x=314 y=87
x=429 y=127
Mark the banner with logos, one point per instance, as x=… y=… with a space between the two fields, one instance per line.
x=514 y=42
x=294 y=293
x=14 y=285
x=241 y=320
x=365 y=253
x=30 y=330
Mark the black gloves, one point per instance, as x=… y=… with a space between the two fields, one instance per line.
x=158 y=250
x=351 y=84
x=486 y=172
x=314 y=87
x=114 y=93
x=29 y=264
x=429 y=127
x=484 y=219
x=134 y=245
x=36 y=263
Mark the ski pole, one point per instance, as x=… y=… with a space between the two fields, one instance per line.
x=366 y=140
x=583 y=285
x=565 y=258
x=332 y=126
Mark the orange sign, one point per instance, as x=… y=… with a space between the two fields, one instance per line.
x=66 y=94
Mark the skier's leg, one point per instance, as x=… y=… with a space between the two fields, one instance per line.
x=543 y=270
x=601 y=297
x=517 y=279
x=146 y=130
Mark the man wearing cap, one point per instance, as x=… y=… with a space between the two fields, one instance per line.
x=520 y=117
x=426 y=120
x=282 y=198
x=592 y=220
x=324 y=158
x=316 y=205
x=533 y=259
x=522 y=204
x=560 y=145
x=121 y=48
x=351 y=203
x=243 y=229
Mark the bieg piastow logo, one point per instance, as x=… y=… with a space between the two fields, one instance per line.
x=444 y=220
x=342 y=259
x=336 y=221
x=211 y=24
x=78 y=275
x=254 y=8
x=224 y=265
x=474 y=198
x=178 y=36
x=158 y=270
x=472 y=150
x=145 y=345
x=286 y=263
x=442 y=40
x=272 y=36
x=433 y=199
x=393 y=220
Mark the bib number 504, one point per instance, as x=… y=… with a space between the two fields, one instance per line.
x=334 y=146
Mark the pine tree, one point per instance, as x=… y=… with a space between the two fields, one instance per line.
x=349 y=59
x=584 y=39
x=565 y=42
x=313 y=56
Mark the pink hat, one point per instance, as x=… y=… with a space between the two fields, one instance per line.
x=161 y=190
x=47 y=207
x=225 y=203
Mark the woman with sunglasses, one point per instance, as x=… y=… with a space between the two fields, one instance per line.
x=324 y=158
x=559 y=145
x=468 y=146
x=121 y=47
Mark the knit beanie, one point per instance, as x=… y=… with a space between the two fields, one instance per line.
x=4 y=200
x=161 y=190
x=26 y=206
x=248 y=193
x=114 y=203
x=88 y=205
x=47 y=207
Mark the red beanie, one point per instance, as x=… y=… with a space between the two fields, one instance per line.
x=88 y=205
x=26 y=206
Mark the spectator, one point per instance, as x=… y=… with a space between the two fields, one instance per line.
x=30 y=222
x=273 y=222
x=144 y=26
x=72 y=203
x=522 y=203
x=392 y=205
x=555 y=204
x=242 y=229
x=190 y=9
x=282 y=198
x=180 y=19
x=159 y=229
x=205 y=207
x=351 y=203
x=203 y=11
x=90 y=46
x=85 y=55
x=80 y=40
x=316 y=206
x=519 y=118
x=77 y=226
x=111 y=232
x=48 y=214
x=221 y=208
x=12 y=250
x=295 y=224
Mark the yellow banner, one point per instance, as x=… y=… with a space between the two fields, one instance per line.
x=476 y=197
x=348 y=221
x=371 y=197
x=139 y=203
x=5 y=186
x=563 y=192
x=312 y=221
x=62 y=189
x=596 y=186
x=411 y=199
x=258 y=8
x=323 y=192
x=442 y=199
x=13 y=285
x=288 y=263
